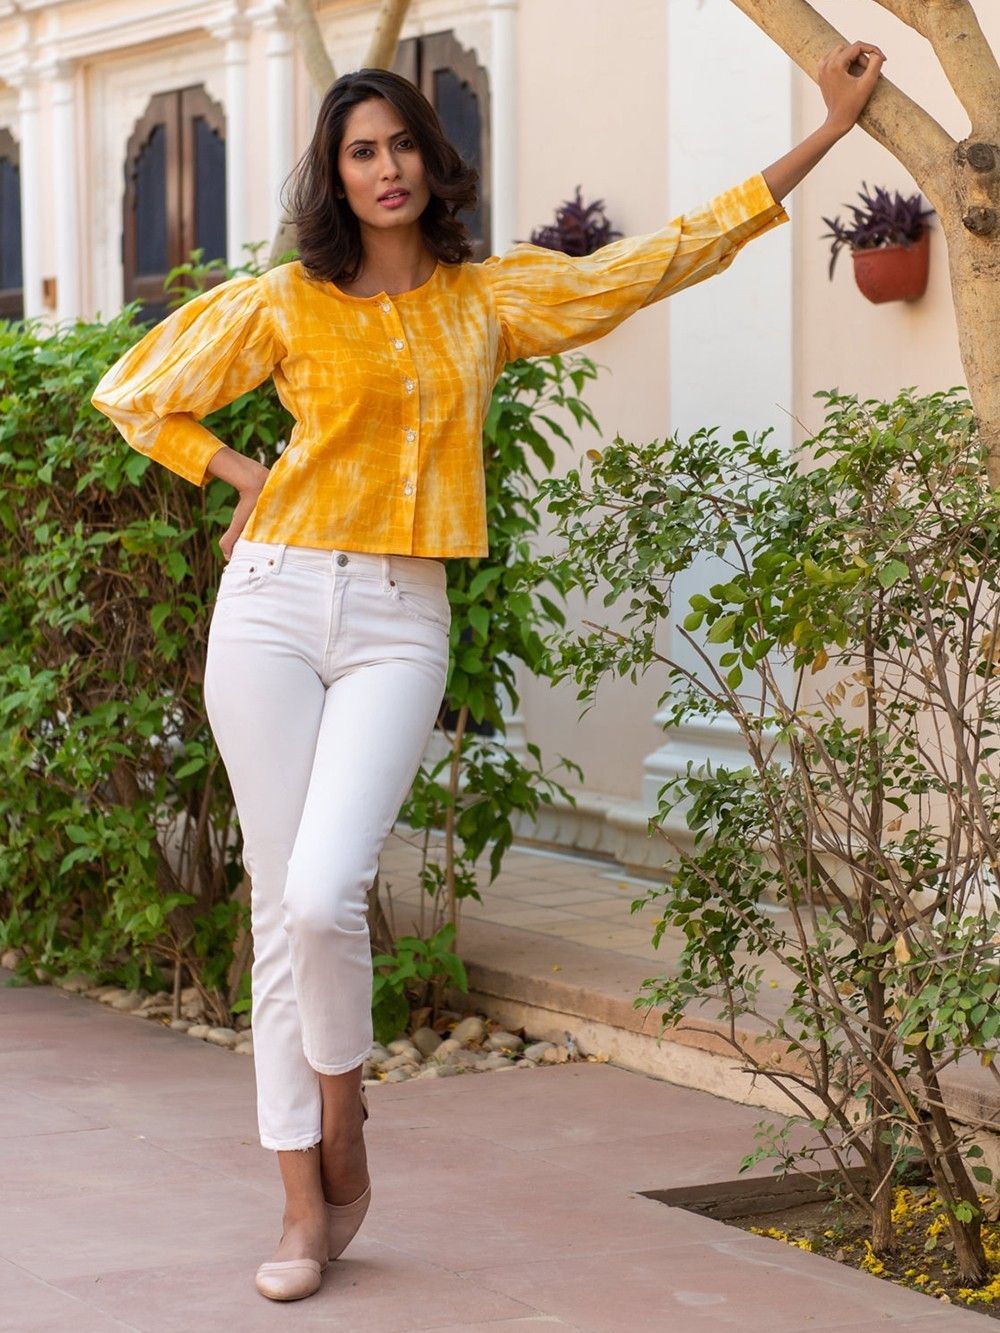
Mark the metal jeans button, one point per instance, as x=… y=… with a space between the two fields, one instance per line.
x=341 y=559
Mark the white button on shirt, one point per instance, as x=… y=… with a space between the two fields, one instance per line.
x=398 y=344
x=409 y=385
x=408 y=489
x=386 y=307
x=411 y=435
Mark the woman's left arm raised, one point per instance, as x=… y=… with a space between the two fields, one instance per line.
x=548 y=302
x=847 y=78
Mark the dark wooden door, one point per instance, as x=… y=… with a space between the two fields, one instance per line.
x=11 y=279
x=458 y=88
x=175 y=192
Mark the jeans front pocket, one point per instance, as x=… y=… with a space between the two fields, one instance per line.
x=427 y=605
x=243 y=574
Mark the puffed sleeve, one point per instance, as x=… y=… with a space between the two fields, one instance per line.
x=206 y=353
x=548 y=302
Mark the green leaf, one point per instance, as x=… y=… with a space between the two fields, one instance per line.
x=891 y=572
x=722 y=630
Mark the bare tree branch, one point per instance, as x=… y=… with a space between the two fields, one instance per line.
x=310 y=42
x=952 y=28
x=385 y=38
x=894 y=120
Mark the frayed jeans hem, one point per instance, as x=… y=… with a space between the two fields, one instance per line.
x=337 y=1069
x=290 y=1147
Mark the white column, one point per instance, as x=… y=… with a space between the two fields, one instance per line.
x=503 y=213
x=64 y=160
x=504 y=120
x=280 y=125
x=729 y=109
x=234 y=32
x=31 y=192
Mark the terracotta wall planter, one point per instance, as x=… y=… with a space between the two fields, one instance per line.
x=893 y=272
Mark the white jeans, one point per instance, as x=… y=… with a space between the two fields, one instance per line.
x=323 y=681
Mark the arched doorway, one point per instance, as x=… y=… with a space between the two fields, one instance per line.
x=175 y=192
x=458 y=87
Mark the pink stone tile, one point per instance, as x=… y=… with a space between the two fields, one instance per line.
x=237 y=1157
x=28 y=1304
x=568 y=896
x=540 y=1322
x=532 y=1110
x=748 y=1284
x=520 y=915
x=101 y=1232
x=372 y=1289
x=23 y=1114
x=167 y=1083
x=441 y=1194
x=671 y=1161
x=50 y=1166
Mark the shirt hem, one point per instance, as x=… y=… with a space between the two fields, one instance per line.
x=366 y=547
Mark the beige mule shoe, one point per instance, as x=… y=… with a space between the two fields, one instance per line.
x=344 y=1219
x=289 y=1279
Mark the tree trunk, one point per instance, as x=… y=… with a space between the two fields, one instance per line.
x=975 y=284
x=322 y=73
x=310 y=42
x=385 y=38
x=961 y=179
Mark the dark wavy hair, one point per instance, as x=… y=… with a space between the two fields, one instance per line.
x=328 y=234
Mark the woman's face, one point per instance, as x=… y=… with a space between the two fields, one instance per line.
x=381 y=167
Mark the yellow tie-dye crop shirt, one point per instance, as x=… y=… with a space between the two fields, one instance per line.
x=389 y=393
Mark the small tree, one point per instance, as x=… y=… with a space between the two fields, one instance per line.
x=854 y=640
x=961 y=178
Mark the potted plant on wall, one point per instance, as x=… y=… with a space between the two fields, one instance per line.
x=579 y=228
x=889 y=240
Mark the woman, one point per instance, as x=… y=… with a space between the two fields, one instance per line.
x=328 y=646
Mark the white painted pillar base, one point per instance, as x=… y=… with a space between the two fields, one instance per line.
x=503 y=127
x=234 y=32
x=280 y=124
x=729 y=109
x=65 y=157
x=503 y=217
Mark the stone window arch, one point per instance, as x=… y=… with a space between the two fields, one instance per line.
x=452 y=79
x=175 y=192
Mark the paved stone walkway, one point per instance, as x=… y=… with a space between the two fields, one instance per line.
x=135 y=1196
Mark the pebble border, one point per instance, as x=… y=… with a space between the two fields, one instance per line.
x=473 y=1045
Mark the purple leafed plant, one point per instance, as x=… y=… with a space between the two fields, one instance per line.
x=884 y=220
x=579 y=228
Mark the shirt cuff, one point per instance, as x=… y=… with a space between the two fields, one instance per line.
x=185 y=446
x=747 y=210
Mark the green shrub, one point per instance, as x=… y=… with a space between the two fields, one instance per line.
x=121 y=849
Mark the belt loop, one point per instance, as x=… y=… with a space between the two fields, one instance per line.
x=386 y=571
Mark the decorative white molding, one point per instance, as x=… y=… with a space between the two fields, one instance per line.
x=234 y=32
x=504 y=125
x=274 y=19
x=65 y=156
x=138 y=25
